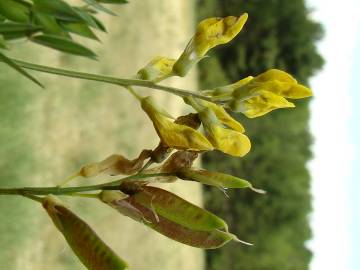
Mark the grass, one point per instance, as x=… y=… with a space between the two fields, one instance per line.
x=46 y=135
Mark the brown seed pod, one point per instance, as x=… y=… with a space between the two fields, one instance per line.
x=85 y=243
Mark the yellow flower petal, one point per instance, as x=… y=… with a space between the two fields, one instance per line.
x=230 y=141
x=215 y=31
x=157 y=69
x=259 y=105
x=226 y=140
x=174 y=135
x=224 y=117
x=275 y=81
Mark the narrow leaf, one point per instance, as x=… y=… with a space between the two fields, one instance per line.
x=17 y=11
x=8 y=27
x=86 y=17
x=113 y=1
x=80 y=29
x=58 y=8
x=85 y=243
x=98 y=24
x=49 y=24
x=2 y=43
x=8 y=61
x=99 y=7
x=64 y=45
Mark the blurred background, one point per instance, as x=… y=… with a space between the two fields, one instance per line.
x=305 y=158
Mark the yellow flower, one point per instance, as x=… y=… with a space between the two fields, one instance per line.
x=215 y=31
x=259 y=105
x=171 y=134
x=274 y=81
x=223 y=116
x=209 y=33
x=229 y=141
x=157 y=69
x=266 y=92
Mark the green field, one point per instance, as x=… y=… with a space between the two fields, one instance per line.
x=45 y=135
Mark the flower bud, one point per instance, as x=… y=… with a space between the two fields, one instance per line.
x=158 y=69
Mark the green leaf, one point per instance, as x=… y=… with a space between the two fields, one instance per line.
x=99 y=25
x=113 y=1
x=80 y=29
x=178 y=210
x=8 y=61
x=86 y=244
x=49 y=24
x=65 y=45
x=86 y=17
x=99 y=7
x=220 y=180
x=8 y=27
x=209 y=239
x=2 y=43
x=58 y=8
x=17 y=11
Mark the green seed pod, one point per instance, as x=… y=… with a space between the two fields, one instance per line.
x=87 y=246
x=176 y=209
x=17 y=11
x=201 y=239
x=216 y=179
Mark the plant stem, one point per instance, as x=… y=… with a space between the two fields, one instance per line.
x=110 y=80
x=68 y=190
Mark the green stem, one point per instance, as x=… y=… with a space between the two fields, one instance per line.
x=68 y=190
x=110 y=80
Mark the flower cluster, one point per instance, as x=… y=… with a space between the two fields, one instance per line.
x=209 y=127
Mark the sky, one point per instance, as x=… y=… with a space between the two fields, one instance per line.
x=335 y=125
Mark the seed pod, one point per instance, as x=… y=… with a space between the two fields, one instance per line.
x=87 y=246
x=216 y=179
x=176 y=209
x=202 y=239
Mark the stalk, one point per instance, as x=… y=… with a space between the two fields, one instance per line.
x=111 y=80
x=71 y=190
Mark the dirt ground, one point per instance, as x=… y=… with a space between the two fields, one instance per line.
x=45 y=135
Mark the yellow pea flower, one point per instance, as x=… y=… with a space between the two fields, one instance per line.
x=229 y=141
x=215 y=31
x=209 y=33
x=157 y=69
x=171 y=134
x=266 y=92
x=223 y=116
x=259 y=105
x=276 y=81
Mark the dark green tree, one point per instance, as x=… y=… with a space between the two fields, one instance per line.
x=278 y=34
